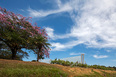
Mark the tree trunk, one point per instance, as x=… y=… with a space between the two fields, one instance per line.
x=38 y=55
x=14 y=51
x=40 y=48
x=37 y=58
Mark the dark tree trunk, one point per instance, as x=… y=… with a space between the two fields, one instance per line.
x=38 y=56
x=40 y=48
x=14 y=52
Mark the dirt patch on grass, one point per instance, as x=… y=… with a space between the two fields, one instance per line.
x=75 y=71
x=79 y=71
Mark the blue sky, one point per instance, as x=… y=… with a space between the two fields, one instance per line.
x=74 y=26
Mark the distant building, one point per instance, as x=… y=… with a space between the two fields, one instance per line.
x=82 y=58
x=73 y=59
x=70 y=59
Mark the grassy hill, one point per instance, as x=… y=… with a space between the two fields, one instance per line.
x=14 y=68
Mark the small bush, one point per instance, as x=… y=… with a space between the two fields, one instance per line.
x=33 y=60
x=62 y=62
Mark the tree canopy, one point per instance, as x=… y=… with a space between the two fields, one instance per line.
x=17 y=32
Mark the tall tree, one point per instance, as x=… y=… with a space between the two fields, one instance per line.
x=43 y=48
x=5 y=52
x=17 y=32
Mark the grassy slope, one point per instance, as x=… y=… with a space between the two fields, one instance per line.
x=13 y=68
x=10 y=68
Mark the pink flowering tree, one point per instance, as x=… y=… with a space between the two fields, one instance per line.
x=17 y=32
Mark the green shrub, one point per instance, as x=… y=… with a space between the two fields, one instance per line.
x=67 y=63
x=52 y=62
x=34 y=60
x=61 y=62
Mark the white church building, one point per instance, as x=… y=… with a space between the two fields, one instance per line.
x=74 y=59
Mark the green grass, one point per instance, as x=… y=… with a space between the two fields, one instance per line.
x=13 y=68
x=27 y=70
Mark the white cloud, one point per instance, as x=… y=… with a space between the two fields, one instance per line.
x=50 y=32
x=59 y=3
x=76 y=53
x=41 y=13
x=61 y=47
x=22 y=10
x=95 y=23
x=108 y=50
x=57 y=46
x=100 y=56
